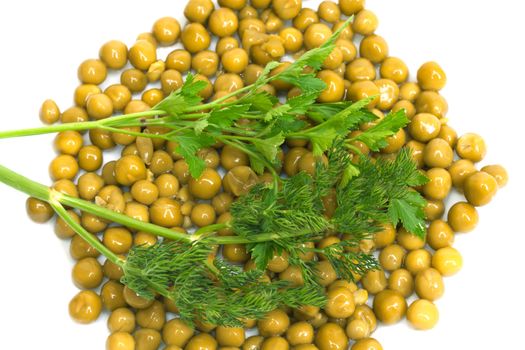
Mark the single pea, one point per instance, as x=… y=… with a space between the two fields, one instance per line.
x=120 y=341
x=85 y=307
x=49 y=112
x=431 y=76
x=142 y=54
x=389 y=306
x=166 y=30
x=92 y=71
x=447 y=261
x=472 y=147
x=114 y=54
x=480 y=188
x=498 y=172
x=422 y=314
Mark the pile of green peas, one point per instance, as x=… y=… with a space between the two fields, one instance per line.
x=151 y=182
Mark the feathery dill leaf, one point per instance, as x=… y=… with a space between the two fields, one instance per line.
x=348 y=264
x=382 y=193
x=221 y=294
x=361 y=204
x=329 y=175
x=152 y=269
x=292 y=215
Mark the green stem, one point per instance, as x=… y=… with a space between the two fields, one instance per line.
x=219 y=100
x=78 y=126
x=50 y=129
x=201 y=232
x=88 y=237
x=23 y=184
x=124 y=117
x=56 y=200
x=124 y=219
x=262 y=237
x=133 y=133
x=37 y=190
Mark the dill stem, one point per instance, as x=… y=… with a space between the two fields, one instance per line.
x=43 y=193
x=205 y=230
x=125 y=220
x=81 y=231
x=39 y=191
x=262 y=237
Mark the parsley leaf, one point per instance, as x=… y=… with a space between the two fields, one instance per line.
x=260 y=101
x=269 y=147
x=300 y=104
x=266 y=72
x=200 y=125
x=306 y=82
x=375 y=137
x=277 y=112
x=262 y=253
x=188 y=95
x=225 y=117
x=320 y=112
x=188 y=145
x=257 y=164
x=323 y=135
x=405 y=205
x=408 y=210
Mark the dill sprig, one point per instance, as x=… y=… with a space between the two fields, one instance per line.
x=293 y=214
x=213 y=291
x=206 y=290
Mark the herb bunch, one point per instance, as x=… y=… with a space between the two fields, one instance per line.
x=271 y=219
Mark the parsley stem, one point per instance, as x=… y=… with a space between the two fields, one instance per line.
x=239 y=131
x=133 y=133
x=219 y=100
x=78 y=126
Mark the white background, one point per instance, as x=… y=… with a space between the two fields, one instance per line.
x=480 y=45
